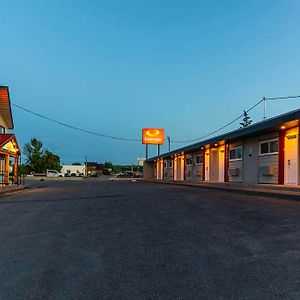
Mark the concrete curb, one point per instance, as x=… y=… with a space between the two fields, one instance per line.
x=282 y=194
x=5 y=191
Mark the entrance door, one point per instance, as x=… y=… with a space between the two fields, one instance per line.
x=175 y=169
x=161 y=175
x=207 y=165
x=214 y=165
x=221 y=164
x=291 y=157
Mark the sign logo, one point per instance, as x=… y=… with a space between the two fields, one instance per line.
x=153 y=136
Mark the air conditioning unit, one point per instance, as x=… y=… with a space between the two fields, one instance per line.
x=234 y=172
x=267 y=170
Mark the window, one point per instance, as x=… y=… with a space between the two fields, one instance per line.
x=165 y=164
x=274 y=147
x=189 y=161
x=170 y=164
x=236 y=153
x=268 y=147
x=199 y=159
x=264 y=148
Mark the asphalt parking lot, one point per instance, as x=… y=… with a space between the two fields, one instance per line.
x=94 y=239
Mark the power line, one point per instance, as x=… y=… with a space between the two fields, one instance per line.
x=281 y=98
x=138 y=140
x=221 y=128
x=74 y=127
x=237 y=118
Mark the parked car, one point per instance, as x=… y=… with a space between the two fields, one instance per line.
x=129 y=174
x=53 y=173
x=94 y=175
x=137 y=175
x=80 y=175
x=126 y=174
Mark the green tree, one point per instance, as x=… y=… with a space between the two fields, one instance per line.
x=51 y=161
x=39 y=160
x=23 y=169
x=108 y=165
x=34 y=153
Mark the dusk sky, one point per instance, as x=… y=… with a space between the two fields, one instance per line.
x=114 y=67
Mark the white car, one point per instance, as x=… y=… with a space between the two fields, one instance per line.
x=53 y=173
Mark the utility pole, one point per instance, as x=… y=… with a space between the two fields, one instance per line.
x=265 y=107
x=169 y=143
x=86 y=171
x=158 y=149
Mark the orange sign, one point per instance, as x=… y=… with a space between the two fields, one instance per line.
x=153 y=136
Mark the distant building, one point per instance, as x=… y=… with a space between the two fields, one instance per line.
x=9 y=148
x=69 y=169
x=94 y=168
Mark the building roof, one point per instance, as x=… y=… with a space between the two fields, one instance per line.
x=5 y=107
x=5 y=138
x=94 y=164
x=288 y=120
x=9 y=143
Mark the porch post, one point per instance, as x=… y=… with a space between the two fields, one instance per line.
x=6 y=170
x=16 y=170
x=203 y=164
x=281 y=158
x=226 y=175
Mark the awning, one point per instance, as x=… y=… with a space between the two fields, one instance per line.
x=5 y=108
x=8 y=144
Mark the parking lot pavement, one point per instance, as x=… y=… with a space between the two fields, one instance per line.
x=134 y=240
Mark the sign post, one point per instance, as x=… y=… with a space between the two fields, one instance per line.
x=146 y=151
x=153 y=136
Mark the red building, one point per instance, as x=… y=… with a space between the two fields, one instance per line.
x=9 y=149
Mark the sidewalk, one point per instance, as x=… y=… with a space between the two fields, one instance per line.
x=11 y=188
x=267 y=190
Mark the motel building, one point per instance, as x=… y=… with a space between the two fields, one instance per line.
x=9 y=149
x=266 y=152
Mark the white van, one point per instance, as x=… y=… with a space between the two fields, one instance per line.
x=53 y=173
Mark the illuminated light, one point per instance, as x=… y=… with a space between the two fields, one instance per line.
x=216 y=144
x=282 y=127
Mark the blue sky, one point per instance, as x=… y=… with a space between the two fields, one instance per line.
x=115 y=67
